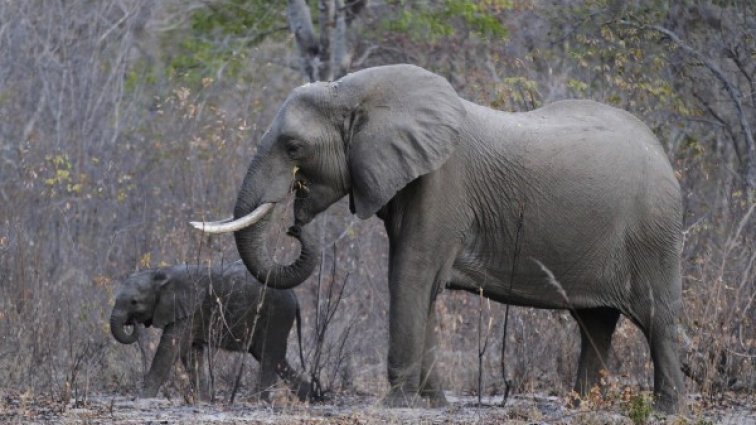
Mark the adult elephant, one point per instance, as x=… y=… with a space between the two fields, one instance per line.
x=582 y=192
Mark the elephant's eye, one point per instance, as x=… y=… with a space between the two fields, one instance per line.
x=297 y=149
x=133 y=302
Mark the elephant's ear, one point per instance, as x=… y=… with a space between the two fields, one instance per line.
x=406 y=123
x=179 y=295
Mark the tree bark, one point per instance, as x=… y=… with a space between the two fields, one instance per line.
x=324 y=57
x=326 y=9
x=300 y=24
x=340 y=57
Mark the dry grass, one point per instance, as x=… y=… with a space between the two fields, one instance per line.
x=521 y=409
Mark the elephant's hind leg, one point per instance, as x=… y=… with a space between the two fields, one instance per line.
x=292 y=379
x=193 y=361
x=596 y=328
x=269 y=348
x=267 y=377
x=668 y=380
x=656 y=312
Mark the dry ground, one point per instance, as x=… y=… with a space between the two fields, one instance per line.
x=521 y=409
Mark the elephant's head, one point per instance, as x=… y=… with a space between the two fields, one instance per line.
x=366 y=135
x=154 y=297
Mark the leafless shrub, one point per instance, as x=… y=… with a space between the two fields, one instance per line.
x=328 y=297
x=721 y=341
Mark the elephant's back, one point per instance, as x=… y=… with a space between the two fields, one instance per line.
x=579 y=140
x=614 y=144
x=238 y=298
x=578 y=116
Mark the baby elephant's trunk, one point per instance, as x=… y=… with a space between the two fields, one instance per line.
x=117 y=324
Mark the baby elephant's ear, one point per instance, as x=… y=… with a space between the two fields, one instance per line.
x=178 y=296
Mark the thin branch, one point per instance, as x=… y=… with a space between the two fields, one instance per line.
x=725 y=126
x=732 y=91
x=734 y=55
x=552 y=280
x=365 y=55
x=482 y=342
x=515 y=258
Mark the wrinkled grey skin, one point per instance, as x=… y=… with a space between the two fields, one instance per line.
x=600 y=204
x=184 y=301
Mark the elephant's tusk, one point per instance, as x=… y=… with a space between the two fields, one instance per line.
x=213 y=223
x=230 y=225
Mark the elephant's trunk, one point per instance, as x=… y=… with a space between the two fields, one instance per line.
x=253 y=250
x=117 y=323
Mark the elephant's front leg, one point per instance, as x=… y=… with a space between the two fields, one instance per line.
x=412 y=370
x=165 y=357
x=430 y=380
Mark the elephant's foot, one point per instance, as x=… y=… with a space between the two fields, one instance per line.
x=149 y=392
x=262 y=397
x=303 y=393
x=669 y=404
x=435 y=400
x=313 y=394
x=205 y=397
x=434 y=397
x=400 y=398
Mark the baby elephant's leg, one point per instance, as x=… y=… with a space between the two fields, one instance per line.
x=193 y=360
x=204 y=384
x=293 y=380
x=269 y=348
x=165 y=357
x=262 y=353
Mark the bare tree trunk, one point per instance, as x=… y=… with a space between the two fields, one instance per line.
x=327 y=11
x=300 y=24
x=340 y=57
x=324 y=57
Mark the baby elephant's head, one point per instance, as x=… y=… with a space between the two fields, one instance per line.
x=135 y=303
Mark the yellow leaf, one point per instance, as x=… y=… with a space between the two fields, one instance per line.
x=145 y=261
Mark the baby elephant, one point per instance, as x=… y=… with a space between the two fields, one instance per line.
x=198 y=306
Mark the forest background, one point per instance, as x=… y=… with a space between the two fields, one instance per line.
x=121 y=120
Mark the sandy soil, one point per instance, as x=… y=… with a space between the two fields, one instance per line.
x=531 y=409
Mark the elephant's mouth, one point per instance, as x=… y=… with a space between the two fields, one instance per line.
x=302 y=192
x=301 y=187
x=142 y=318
